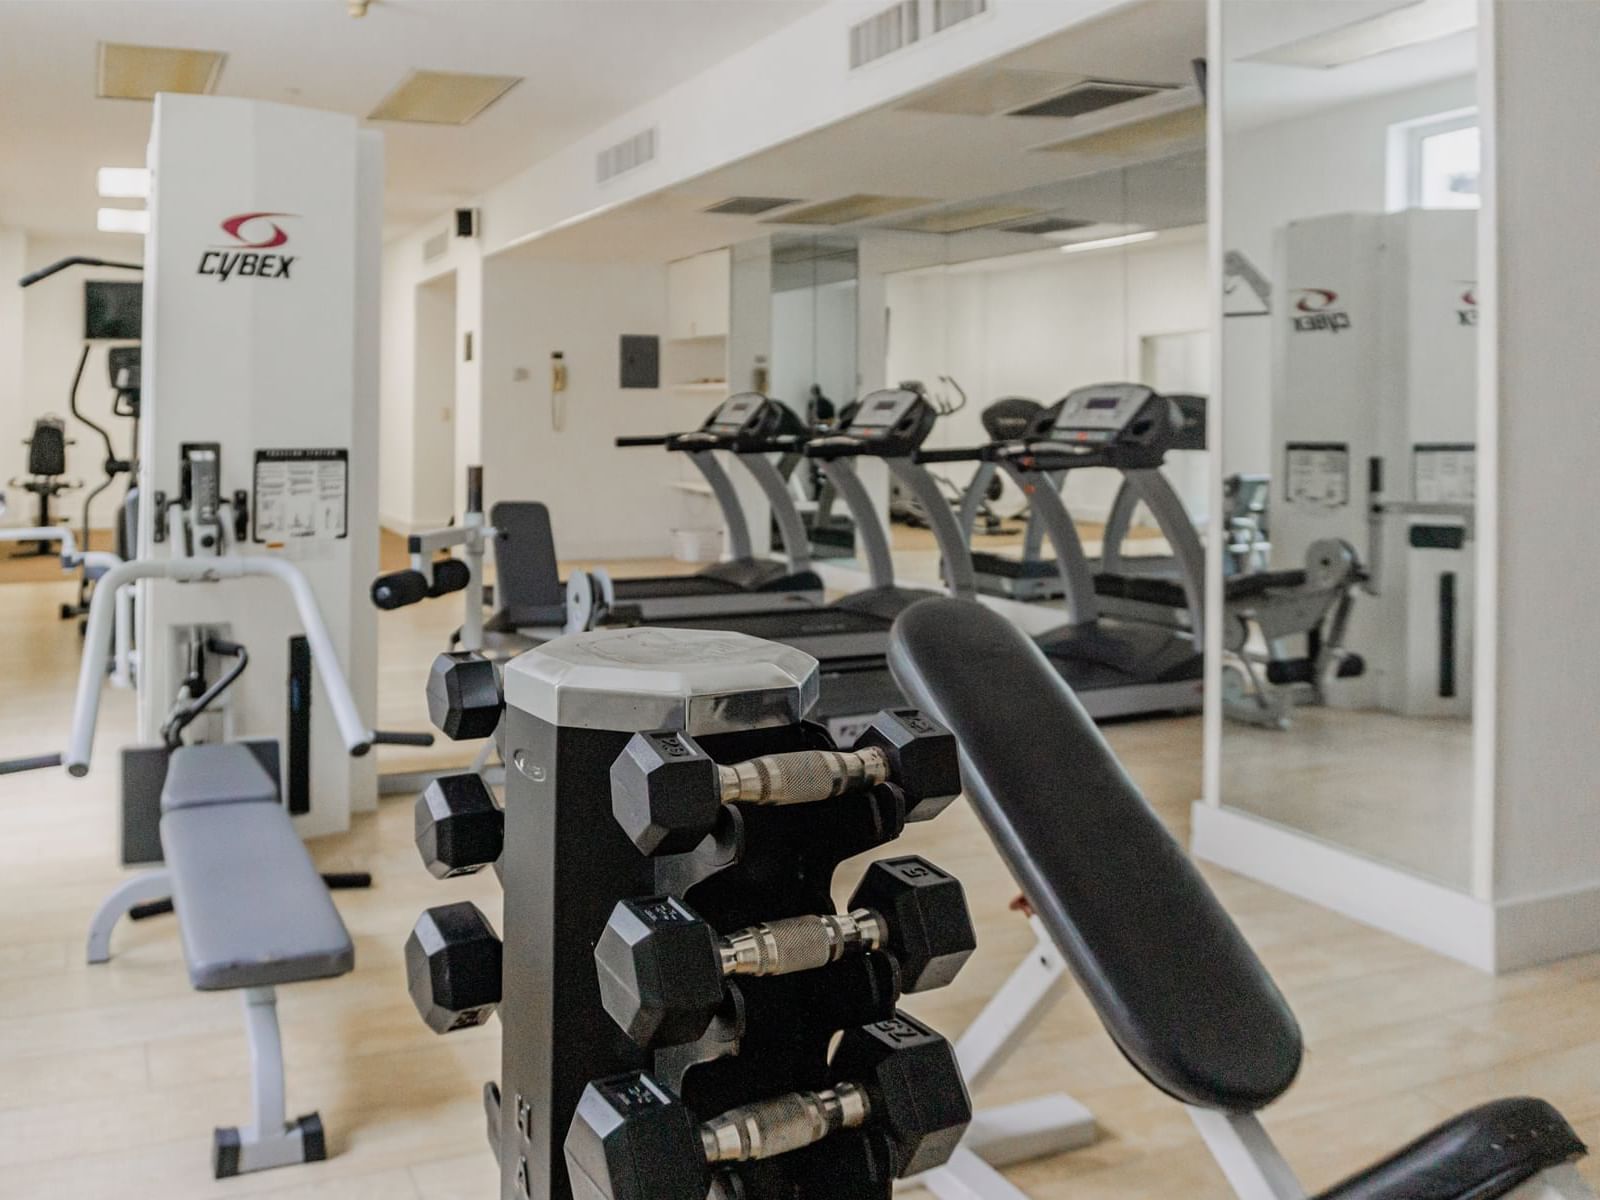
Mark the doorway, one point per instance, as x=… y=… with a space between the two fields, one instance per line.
x=434 y=403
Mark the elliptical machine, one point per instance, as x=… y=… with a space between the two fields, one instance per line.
x=113 y=311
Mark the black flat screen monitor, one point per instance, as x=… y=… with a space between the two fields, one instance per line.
x=113 y=310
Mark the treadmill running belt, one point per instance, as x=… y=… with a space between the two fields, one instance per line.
x=669 y=586
x=786 y=626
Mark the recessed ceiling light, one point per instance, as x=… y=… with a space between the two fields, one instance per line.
x=1126 y=239
x=122 y=220
x=964 y=220
x=1162 y=134
x=123 y=183
x=442 y=97
x=846 y=209
x=1409 y=25
x=128 y=72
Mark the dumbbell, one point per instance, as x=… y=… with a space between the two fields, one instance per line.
x=453 y=960
x=633 y=1139
x=662 y=968
x=459 y=827
x=667 y=793
x=464 y=700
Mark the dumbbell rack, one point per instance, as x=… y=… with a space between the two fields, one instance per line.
x=570 y=709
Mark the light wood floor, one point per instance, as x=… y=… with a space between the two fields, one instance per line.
x=112 y=1077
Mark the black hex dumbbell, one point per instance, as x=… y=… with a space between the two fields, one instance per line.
x=459 y=827
x=633 y=1139
x=453 y=959
x=662 y=969
x=667 y=793
x=464 y=700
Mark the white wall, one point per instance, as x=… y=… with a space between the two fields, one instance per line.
x=604 y=502
x=1040 y=325
x=433 y=427
x=405 y=270
x=41 y=336
x=1545 y=258
x=813 y=342
x=1333 y=162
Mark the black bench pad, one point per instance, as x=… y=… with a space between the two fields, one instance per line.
x=1174 y=981
x=1485 y=1152
x=252 y=908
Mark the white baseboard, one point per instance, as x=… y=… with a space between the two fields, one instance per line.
x=1430 y=914
x=1541 y=929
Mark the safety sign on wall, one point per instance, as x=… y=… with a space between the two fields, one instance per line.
x=1444 y=473
x=1318 y=474
x=300 y=494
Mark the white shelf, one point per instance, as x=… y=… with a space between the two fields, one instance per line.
x=718 y=385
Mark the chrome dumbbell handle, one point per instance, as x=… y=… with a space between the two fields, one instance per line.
x=803 y=776
x=769 y=1128
x=800 y=943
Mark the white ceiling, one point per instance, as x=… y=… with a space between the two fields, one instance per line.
x=584 y=61
x=1259 y=93
x=900 y=151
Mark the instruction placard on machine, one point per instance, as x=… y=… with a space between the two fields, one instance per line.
x=1317 y=473
x=1444 y=472
x=300 y=494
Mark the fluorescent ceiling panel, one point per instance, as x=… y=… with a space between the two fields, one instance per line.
x=127 y=72
x=1411 y=24
x=123 y=183
x=749 y=206
x=442 y=97
x=1106 y=243
x=859 y=207
x=122 y=220
x=1167 y=132
x=1047 y=225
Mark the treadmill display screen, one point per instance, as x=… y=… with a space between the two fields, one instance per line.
x=1101 y=402
x=733 y=415
x=884 y=411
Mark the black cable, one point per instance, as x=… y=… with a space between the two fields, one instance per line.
x=184 y=716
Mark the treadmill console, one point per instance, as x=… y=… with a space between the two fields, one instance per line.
x=739 y=414
x=1120 y=414
x=892 y=421
x=743 y=423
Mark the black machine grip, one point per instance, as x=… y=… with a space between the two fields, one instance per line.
x=37 y=762
x=396 y=737
x=834 y=447
x=788 y=443
x=77 y=260
x=449 y=575
x=955 y=454
x=1375 y=476
x=660 y=439
x=399 y=588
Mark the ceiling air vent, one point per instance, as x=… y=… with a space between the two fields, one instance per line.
x=859 y=207
x=952 y=12
x=964 y=220
x=1047 y=225
x=127 y=72
x=1091 y=95
x=435 y=246
x=895 y=28
x=749 y=206
x=626 y=155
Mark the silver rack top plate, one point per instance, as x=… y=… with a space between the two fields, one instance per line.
x=700 y=681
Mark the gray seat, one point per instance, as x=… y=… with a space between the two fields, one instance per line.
x=215 y=773
x=253 y=910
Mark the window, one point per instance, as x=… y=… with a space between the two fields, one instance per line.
x=1434 y=162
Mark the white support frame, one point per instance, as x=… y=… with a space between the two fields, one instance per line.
x=1247 y=1156
x=144 y=888
x=1012 y=1133
x=271 y=1139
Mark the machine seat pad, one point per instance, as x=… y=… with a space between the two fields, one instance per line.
x=215 y=773
x=1485 y=1152
x=253 y=910
x=1175 y=983
x=1259 y=583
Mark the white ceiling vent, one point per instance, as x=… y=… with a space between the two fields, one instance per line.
x=952 y=12
x=895 y=28
x=1092 y=95
x=626 y=155
x=435 y=246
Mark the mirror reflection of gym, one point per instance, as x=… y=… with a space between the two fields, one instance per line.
x=1350 y=352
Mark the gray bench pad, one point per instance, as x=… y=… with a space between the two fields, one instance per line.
x=253 y=910
x=215 y=773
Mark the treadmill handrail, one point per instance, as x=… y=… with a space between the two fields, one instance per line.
x=653 y=439
x=837 y=445
x=952 y=454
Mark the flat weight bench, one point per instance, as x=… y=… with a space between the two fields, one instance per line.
x=1175 y=984
x=254 y=914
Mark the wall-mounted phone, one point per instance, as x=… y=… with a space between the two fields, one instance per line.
x=558 y=390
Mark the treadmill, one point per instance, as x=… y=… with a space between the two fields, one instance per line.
x=849 y=638
x=1033 y=577
x=1118 y=667
x=748 y=426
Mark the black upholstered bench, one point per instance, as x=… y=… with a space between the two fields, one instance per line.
x=254 y=914
x=1178 y=988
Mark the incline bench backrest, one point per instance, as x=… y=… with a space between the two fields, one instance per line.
x=1175 y=983
x=527 y=581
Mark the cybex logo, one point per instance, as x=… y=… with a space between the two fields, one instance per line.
x=240 y=258
x=1317 y=312
x=1467 y=314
